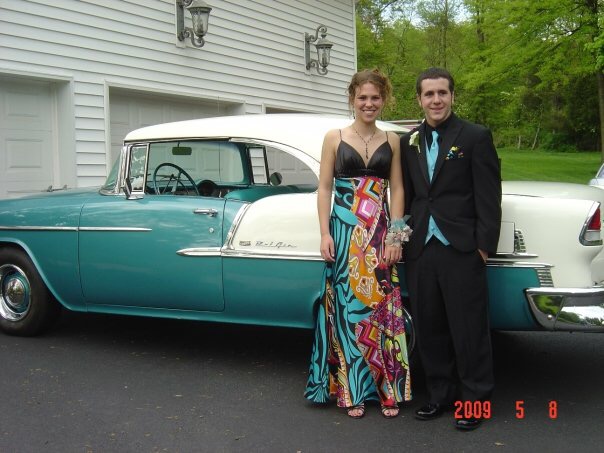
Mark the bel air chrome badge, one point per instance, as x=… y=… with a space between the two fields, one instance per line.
x=277 y=245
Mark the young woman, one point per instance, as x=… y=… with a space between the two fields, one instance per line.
x=359 y=352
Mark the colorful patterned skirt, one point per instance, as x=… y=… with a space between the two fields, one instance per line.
x=359 y=351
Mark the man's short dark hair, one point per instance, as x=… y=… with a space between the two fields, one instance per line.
x=434 y=73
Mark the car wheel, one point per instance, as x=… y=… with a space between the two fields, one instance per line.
x=26 y=305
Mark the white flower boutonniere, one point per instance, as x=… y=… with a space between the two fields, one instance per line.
x=414 y=140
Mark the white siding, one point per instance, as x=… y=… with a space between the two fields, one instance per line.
x=253 y=58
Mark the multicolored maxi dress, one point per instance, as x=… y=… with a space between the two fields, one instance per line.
x=359 y=351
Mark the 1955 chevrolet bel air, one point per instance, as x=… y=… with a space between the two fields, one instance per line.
x=215 y=219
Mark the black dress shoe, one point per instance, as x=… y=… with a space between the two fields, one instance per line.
x=468 y=424
x=429 y=411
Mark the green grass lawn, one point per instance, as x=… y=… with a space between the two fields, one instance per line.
x=527 y=165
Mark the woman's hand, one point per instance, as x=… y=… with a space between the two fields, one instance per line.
x=327 y=248
x=392 y=254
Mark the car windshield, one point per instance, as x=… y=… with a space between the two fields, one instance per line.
x=111 y=180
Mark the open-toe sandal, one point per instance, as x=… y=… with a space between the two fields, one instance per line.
x=356 y=411
x=390 y=411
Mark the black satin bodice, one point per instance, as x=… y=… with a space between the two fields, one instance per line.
x=350 y=164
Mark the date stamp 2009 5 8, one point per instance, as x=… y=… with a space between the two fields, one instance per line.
x=483 y=409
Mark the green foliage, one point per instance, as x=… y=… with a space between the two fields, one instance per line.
x=527 y=69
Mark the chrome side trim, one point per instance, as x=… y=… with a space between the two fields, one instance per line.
x=494 y=262
x=568 y=309
x=515 y=255
x=227 y=252
x=228 y=243
x=301 y=256
x=37 y=228
x=133 y=229
x=48 y=228
x=200 y=251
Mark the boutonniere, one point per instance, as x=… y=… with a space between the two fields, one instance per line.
x=454 y=153
x=414 y=141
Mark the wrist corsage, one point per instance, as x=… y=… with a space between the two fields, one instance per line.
x=398 y=232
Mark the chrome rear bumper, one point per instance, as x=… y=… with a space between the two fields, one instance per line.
x=568 y=309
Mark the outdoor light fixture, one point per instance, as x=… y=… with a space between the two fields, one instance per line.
x=323 y=50
x=200 y=14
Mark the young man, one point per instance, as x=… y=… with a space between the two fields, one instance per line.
x=453 y=193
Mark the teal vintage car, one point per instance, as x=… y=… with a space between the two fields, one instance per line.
x=215 y=220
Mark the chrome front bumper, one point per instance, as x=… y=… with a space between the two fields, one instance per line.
x=568 y=309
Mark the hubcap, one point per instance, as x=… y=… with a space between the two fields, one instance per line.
x=15 y=293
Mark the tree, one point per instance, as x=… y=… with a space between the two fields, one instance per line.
x=531 y=70
x=439 y=20
x=387 y=40
x=536 y=53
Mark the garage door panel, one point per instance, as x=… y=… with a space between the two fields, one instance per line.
x=25 y=105
x=26 y=136
x=15 y=189
x=149 y=113
x=131 y=111
x=27 y=158
x=187 y=112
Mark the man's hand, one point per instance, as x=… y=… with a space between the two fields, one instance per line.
x=484 y=255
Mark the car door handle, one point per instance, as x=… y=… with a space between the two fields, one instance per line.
x=210 y=212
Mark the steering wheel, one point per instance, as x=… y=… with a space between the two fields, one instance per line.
x=171 y=178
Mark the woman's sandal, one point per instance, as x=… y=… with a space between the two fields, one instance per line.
x=390 y=411
x=356 y=411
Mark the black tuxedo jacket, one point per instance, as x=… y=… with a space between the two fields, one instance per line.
x=464 y=196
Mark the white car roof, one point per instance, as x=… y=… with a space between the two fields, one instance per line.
x=302 y=131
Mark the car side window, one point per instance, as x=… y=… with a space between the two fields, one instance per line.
x=293 y=171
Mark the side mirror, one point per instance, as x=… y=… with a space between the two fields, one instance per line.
x=275 y=178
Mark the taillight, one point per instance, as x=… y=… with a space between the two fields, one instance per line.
x=590 y=235
x=595 y=223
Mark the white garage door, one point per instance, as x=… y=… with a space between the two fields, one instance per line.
x=130 y=111
x=26 y=136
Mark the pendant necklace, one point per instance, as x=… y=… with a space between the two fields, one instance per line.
x=366 y=142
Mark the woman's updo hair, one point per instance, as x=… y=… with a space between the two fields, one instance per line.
x=374 y=76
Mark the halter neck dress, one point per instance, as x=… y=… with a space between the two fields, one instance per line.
x=359 y=351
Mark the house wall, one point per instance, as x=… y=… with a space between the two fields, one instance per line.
x=122 y=58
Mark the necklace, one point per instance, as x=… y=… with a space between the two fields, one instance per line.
x=365 y=141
